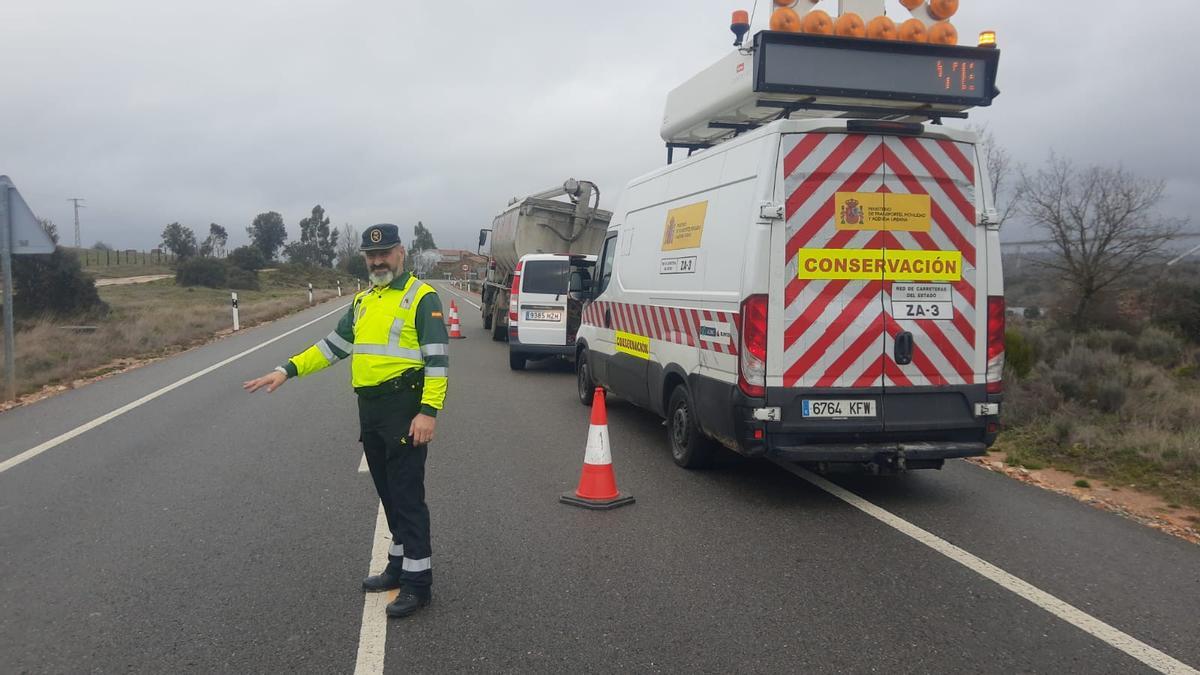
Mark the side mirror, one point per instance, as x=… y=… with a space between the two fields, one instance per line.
x=579 y=285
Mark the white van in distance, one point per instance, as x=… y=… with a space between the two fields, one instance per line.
x=546 y=306
x=825 y=291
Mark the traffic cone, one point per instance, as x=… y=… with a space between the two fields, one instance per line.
x=455 y=329
x=452 y=312
x=597 y=484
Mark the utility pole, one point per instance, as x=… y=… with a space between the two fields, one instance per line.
x=76 y=200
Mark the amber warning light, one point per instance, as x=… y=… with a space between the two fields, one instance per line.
x=987 y=39
x=740 y=25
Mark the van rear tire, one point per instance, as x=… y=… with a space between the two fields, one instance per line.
x=690 y=448
x=516 y=361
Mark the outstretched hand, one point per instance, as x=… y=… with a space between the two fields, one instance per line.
x=272 y=381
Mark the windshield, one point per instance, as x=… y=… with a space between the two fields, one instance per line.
x=545 y=276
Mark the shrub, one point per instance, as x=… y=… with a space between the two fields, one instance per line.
x=1049 y=343
x=53 y=284
x=242 y=280
x=247 y=258
x=1159 y=347
x=1019 y=356
x=1081 y=373
x=1177 y=307
x=208 y=272
x=1033 y=313
x=288 y=274
x=1029 y=400
x=1110 y=395
x=1119 y=342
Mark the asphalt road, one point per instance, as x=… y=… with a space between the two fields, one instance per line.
x=207 y=530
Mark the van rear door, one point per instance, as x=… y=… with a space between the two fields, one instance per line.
x=935 y=320
x=542 y=314
x=830 y=359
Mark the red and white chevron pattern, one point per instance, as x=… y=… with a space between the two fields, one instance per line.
x=679 y=325
x=839 y=333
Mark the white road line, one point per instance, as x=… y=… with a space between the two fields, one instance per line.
x=362 y=464
x=1085 y=622
x=63 y=438
x=372 y=637
x=465 y=298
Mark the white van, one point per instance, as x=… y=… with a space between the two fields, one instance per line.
x=825 y=291
x=545 y=306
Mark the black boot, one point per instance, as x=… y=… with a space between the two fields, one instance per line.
x=381 y=582
x=408 y=601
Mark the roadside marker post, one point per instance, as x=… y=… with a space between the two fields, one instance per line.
x=236 y=323
x=339 y=288
x=310 y=293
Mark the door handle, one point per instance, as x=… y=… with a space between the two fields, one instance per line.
x=904 y=348
x=608 y=318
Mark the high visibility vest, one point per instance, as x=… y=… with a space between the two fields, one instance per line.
x=385 y=334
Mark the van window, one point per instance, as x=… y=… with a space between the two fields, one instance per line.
x=606 y=264
x=545 y=276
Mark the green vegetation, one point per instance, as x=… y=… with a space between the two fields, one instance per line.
x=208 y=272
x=1082 y=483
x=156 y=319
x=267 y=233
x=53 y=285
x=1115 y=405
x=247 y=258
x=318 y=243
x=179 y=240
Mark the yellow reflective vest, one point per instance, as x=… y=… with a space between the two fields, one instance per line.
x=387 y=332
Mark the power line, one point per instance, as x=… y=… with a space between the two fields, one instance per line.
x=76 y=200
x=1047 y=242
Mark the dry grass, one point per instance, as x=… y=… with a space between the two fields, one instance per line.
x=147 y=321
x=121 y=271
x=1111 y=406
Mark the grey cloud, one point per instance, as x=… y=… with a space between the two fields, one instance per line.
x=385 y=111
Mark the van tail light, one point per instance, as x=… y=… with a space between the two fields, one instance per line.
x=513 y=293
x=995 y=344
x=752 y=351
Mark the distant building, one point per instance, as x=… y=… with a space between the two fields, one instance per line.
x=459 y=264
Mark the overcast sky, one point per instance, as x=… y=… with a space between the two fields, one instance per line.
x=440 y=111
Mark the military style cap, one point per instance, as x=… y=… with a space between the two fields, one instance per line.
x=380 y=237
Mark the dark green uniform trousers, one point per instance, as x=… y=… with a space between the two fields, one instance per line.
x=398 y=470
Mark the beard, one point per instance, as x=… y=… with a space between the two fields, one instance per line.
x=382 y=277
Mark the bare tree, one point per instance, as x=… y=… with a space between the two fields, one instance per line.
x=49 y=228
x=424 y=260
x=1001 y=171
x=347 y=248
x=1102 y=222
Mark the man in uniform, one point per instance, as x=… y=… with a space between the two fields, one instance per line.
x=399 y=370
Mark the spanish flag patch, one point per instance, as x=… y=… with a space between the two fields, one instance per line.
x=435 y=314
